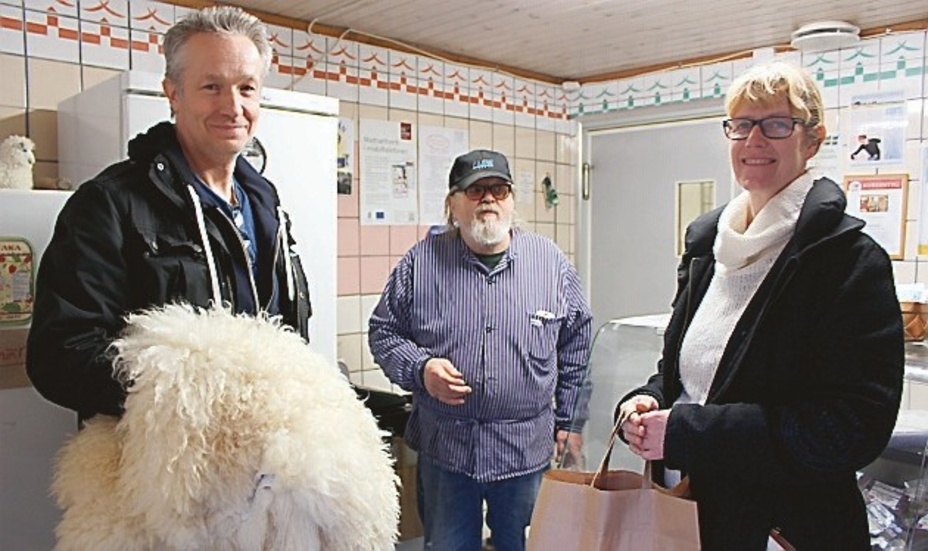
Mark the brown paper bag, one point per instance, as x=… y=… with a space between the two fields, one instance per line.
x=611 y=510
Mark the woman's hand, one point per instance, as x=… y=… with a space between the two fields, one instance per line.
x=630 y=415
x=653 y=427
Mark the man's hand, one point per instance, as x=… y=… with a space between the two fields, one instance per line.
x=570 y=443
x=444 y=383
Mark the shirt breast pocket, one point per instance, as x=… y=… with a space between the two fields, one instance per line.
x=544 y=329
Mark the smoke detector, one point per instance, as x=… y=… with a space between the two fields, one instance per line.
x=825 y=35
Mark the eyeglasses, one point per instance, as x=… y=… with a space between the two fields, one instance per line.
x=775 y=128
x=477 y=193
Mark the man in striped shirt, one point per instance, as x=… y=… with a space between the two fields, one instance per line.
x=488 y=327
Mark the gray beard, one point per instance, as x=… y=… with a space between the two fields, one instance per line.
x=491 y=231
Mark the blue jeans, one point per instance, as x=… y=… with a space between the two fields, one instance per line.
x=451 y=508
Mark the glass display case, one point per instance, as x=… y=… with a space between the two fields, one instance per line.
x=895 y=488
x=624 y=354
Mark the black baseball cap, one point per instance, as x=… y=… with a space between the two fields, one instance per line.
x=476 y=165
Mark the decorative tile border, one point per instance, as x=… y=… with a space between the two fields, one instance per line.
x=895 y=61
x=123 y=34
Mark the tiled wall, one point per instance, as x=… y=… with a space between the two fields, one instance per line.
x=53 y=49
x=886 y=63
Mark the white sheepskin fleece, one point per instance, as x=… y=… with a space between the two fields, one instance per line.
x=17 y=155
x=236 y=436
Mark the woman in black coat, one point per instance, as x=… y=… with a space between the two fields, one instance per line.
x=782 y=365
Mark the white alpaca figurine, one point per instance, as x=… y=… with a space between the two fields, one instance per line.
x=17 y=155
x=236 y=437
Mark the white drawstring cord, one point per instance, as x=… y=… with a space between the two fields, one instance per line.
x=285 y=248
x=207 y=249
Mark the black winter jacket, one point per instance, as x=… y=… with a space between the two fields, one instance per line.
x=806 y=392
x=129 y=239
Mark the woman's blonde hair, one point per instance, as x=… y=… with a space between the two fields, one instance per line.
x=766 y=84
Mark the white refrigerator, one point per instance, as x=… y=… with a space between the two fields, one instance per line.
x=298 y=132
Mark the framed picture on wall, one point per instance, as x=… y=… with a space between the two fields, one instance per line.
x=880 y=200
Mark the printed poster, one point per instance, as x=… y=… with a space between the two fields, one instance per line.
x=438 y=147
x=829 y=160
x=880 y=201
x=876 y=136
x=388 y=180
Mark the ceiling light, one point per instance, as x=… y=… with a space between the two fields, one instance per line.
x=825 y=35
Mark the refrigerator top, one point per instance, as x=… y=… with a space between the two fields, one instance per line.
x=141 y=82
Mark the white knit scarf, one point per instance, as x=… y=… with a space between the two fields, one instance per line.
x=738 y=245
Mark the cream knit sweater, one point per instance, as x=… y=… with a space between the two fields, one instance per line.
x=744 y=255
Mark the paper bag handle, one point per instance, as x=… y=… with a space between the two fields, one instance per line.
x=604 y=464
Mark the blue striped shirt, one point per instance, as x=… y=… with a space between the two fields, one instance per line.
x=519 y=334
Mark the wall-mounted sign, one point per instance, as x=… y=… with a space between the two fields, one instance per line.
x=880 y=201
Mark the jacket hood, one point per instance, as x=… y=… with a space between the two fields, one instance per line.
x=161 y=139
x=146 y=145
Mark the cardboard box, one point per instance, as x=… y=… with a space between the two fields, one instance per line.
x=405 y=466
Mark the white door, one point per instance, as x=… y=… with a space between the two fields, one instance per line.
x=632 y=210
x=631 y=266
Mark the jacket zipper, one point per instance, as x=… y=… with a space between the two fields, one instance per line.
x=250 y=270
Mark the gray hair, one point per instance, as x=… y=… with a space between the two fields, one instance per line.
x=228 y=20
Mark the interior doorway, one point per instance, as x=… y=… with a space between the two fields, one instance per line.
x=632 y=212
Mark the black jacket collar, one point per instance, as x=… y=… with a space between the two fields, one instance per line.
x=161 y=140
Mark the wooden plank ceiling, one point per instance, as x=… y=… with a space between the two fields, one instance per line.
x=589 y=40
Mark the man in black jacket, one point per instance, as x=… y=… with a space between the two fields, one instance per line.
x=184 y=219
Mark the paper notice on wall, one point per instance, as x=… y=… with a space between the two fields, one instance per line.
x=525 y=187
x=438 y=147
x=880 y=201
x=829 y=161
x=877 y=129
x=388 y=186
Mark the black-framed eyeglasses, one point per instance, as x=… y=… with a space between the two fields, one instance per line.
x=775 y=128
x=498 y=191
